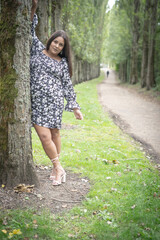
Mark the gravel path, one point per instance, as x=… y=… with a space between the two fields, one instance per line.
x=135 y=113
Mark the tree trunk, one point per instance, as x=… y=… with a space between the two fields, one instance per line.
x=150 y=71
x=144 y=63
x=43 y=23
x=134 y=54
x=124 y=71
x=16 y=165
x=56 y=11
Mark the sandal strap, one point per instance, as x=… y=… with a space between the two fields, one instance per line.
x=54 y=159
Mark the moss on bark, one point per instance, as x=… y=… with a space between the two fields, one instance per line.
x=8 y=75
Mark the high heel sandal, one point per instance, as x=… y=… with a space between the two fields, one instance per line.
x=62 y=175
x=52 y=176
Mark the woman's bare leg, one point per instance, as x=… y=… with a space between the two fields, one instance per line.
x=46 y=140
x=50 y=149
x=56 y=138
x=57 y=141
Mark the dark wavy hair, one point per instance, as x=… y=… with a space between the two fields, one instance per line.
x=66 y=51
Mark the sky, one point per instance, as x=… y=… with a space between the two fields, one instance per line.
x=111 y=3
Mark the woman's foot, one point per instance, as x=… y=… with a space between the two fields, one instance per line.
x=53 y=173
x=60 y=176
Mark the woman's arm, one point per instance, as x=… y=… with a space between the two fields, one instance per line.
x=33 y=9
x=36 y=43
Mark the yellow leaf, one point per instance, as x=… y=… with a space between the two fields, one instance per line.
x=35 y=221
x=17 y=231
x=10 y=235
x=4 y=231
x=3 y=185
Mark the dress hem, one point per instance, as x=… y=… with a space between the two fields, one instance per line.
x=45 y=126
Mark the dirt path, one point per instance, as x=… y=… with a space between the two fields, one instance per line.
x=135 y=113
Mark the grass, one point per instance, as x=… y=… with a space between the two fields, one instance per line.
x=124 y=199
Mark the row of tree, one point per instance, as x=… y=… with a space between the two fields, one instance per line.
x=132 y=41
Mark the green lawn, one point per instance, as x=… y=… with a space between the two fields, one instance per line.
x=124 y=200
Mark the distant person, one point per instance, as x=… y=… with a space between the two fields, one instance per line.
x=107 y=73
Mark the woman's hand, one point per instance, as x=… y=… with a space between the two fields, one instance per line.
x=33 y=9
x=34 y=4
x=78 y=114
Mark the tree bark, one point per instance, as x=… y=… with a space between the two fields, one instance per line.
x=150 y=82
x=16 y=165
x=43 y=23
x=144 y=63
x=134 y=54
x=56 y=11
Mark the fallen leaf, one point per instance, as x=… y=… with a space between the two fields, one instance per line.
x=17 y=232
x=23 y=188
x=147 y=229
x=10 y=235
x=77 y=150
x=74 y=190
x=3 y=186
x=74 y=217
x=114 y=189
x=108 y=178
x=84 y=180
x=92 y=236
x=35 y=226
x=4 y=231
x=64 y=206
x=45 y=167
x=142 y=224
x=34 y=221
x=119 y=174
x=94 y=213
x=109 y=222
x=5 y=222
x=105 y=206
x=39 y=196
x=115 y=161
x=105 y=161
x=133 y=206
x=155 y=194
x=71 y=235
x=35 y=236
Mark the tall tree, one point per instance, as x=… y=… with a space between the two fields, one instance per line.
x=144 y=63
x=43 y=23
x=16 y=165
x=150 y=81
x=135 y=39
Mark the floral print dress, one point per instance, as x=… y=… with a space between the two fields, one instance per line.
x=50 y=84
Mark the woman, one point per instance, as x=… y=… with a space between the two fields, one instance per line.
x=51 y=70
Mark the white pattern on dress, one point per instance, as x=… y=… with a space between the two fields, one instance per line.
x=50 y=84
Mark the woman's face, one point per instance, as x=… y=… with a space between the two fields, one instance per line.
x=56 y=46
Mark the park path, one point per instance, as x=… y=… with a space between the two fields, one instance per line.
x=135 y=113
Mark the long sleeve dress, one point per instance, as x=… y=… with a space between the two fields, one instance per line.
x=50 y=84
